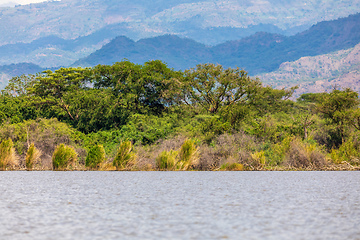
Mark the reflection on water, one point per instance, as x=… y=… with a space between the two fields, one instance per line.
x=179 y=205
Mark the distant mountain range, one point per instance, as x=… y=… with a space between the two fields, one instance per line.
x=8 y=71
x=261 y=52
x=113 y=30
x=207 y=21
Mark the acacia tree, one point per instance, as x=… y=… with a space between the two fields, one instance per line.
x=15 y=103
x=337 y=107
x=212 y=87
x=19 y=85
x=51 y=88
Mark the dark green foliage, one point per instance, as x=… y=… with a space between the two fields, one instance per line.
x=95 y=157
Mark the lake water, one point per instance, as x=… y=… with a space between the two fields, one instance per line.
x=179 y=205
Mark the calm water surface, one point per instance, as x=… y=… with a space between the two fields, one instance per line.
x=179 y=205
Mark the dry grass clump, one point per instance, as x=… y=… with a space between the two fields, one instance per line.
x=8 y=158
x=147 y=155
x=232 y=167
x=125 y=157
x=46 y=134
x=64 y=157
x=167 y=160
x=185 y=158
x=32 y=157
x=305 y=156
x=229 y=148
x=188 y=155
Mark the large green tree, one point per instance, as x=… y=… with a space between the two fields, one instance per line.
x=211 y=87
x=138 y=88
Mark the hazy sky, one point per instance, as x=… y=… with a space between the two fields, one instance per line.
x=3 y=2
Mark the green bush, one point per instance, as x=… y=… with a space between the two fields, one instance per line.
x=125 y=157
x=7 y=154
x=349 y=152
x=167 y=160
x=188 y=155
x=32 y=157
x=95 y=157
x=63 y=157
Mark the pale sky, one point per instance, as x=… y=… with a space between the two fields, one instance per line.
x=13 y=2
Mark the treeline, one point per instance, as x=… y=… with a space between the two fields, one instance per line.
x=227 y=119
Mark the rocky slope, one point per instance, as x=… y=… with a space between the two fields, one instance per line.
x=319 y=73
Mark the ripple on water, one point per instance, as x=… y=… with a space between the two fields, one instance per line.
x=179 y=205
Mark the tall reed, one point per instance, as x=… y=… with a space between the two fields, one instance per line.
x=32 y=157
x=7 y=154
x=167 y=160
x=125 y=157
x=188 y=155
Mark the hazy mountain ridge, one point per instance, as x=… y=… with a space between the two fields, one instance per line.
x=261 y=52
x=50 y=51
x=70 y=19
x=8 y=71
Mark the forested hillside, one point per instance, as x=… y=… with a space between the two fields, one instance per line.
x=146 y=117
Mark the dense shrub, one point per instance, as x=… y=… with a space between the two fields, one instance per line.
x=125 y=157
x=63 y=157
x=95 y=157
x=32 y=157
x=228 y=148
x=147 y=129
x=7 y=154
x=349 y=151
x=305 y=155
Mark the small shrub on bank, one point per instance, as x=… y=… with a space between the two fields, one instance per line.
x=95 y=157
x=32 y=157
x=7 y=154
x=167 y=160
x=63 y=157
x=259 y=157
x=125 y=157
